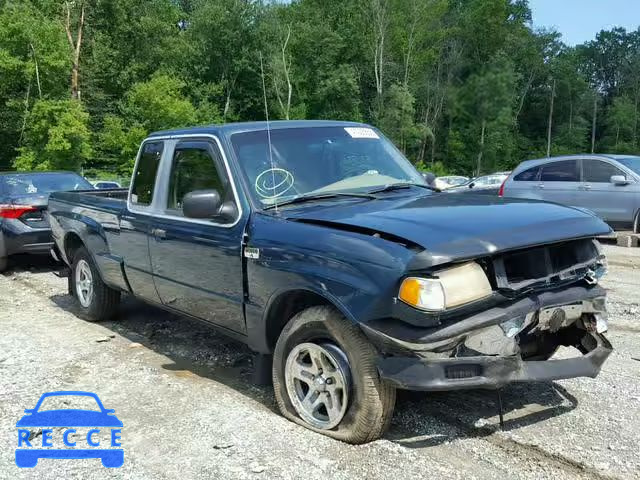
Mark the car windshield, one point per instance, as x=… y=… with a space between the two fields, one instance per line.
x=69 y=402
x=632 y=163
x=34 y=183
x=319 y=160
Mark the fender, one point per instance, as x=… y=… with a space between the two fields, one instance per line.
x=92 y=235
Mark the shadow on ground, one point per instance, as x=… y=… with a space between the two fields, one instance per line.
x=421 y=419
x=31 y=263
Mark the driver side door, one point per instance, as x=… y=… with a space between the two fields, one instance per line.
x=197 y=263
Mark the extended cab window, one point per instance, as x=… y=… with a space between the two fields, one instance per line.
x=598 y=171
x=195 y=166
x=144 y=179
x=562 y=171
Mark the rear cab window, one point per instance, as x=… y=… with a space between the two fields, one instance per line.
x=144 y=178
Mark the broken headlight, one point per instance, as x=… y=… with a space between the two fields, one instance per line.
x=447 y=288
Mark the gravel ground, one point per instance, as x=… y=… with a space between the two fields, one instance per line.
x=190 y=410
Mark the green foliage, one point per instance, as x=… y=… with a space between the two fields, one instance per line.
x=464 y=86
x=56 y=137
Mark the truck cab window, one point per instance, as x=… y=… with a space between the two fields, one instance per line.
x=193 y=168
x=144 y=178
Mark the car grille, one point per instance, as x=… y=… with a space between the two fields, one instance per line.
x=549 y=264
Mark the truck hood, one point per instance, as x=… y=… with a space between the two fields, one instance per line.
x=457 y=227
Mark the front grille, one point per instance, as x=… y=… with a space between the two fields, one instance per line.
x=548 y=264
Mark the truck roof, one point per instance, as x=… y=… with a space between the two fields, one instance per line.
x=230 y=128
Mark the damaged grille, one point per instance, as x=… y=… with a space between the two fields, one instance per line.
x=549 y=264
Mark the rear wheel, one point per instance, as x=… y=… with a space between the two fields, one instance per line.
x=4 y=263
x=96 y=300
x=636 y=223
x=325 y=378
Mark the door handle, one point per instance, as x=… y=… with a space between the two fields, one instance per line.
x=159 y=233
x=541 y=186
x=585 y=187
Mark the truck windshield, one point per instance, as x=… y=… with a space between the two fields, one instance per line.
x=319 y=160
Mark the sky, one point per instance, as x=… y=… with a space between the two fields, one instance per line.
x=579 y=20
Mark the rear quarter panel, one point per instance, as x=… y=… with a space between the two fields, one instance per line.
x=95 y=220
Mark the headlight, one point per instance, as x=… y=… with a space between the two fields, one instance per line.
x=449 y=288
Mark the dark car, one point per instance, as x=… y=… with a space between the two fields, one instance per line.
x=23 y=199
x=319 y=245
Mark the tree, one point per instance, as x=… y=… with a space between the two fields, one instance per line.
x=56 y=137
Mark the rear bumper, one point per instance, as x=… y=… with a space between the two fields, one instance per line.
x=488 y=371
x=20 y=238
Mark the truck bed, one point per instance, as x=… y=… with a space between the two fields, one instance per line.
x=105 y=200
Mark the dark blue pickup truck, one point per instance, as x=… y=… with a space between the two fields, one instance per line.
x=318 y=243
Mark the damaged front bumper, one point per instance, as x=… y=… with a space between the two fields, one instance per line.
x=499 y=345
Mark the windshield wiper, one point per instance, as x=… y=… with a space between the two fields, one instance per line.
x=400 y=186
x=308 y=197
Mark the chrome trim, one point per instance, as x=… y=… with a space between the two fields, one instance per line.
x=153 y=210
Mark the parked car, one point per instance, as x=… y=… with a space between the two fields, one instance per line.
x=485 y=185
x=106 y=184
x=453 y=180
x=608 y=185
x=319 y=244
x=23 y=198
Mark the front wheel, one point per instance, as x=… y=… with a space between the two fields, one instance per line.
x=97 y=301
x=325 y=378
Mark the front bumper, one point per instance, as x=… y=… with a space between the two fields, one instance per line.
x=476 y=351
x=488 y=371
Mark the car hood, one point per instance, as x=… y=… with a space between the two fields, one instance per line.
x=69 y=418
x=454 y=227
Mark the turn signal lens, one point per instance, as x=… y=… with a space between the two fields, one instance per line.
x=423 y=293
x=15 y=211
x=450 y=288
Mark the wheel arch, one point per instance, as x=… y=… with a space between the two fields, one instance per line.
x=284 y=305
x=72 y=242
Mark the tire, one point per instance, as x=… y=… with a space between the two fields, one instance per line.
x=636 y=223
x=4 y=263
x=368 y=409
x=100 y=302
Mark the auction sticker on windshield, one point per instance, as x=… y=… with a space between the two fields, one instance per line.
x=69 y=425
x=361 y=132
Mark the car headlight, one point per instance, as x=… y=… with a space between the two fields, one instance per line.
x=447 y=289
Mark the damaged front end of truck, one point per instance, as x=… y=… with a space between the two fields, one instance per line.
x=490 y=321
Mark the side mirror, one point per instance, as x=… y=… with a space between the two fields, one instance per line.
x=619 y=180
x=201 y=204
x=29 y=410
x=472 y=184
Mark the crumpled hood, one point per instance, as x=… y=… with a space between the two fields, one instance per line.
x=456 y=227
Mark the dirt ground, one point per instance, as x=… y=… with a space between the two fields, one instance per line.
x=189 y=409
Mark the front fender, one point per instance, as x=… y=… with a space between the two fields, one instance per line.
x=356 y=273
